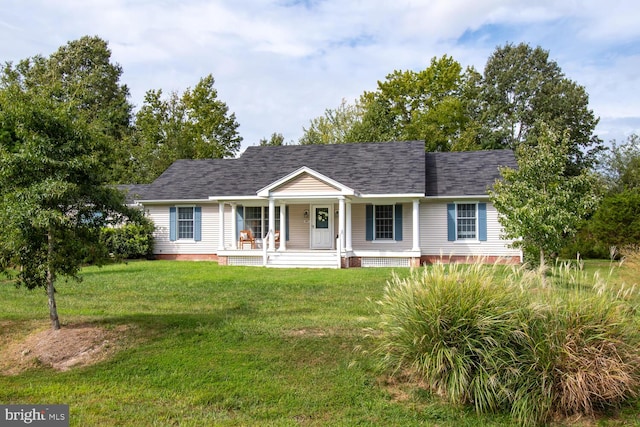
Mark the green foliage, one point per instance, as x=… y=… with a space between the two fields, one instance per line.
x=334 y=126
x=129 y=241
x=431 y=105
x=522 y=87
x=499 y=341
x=620 y=166
x=539 y=205
x=81 y=76
x=455 y=327
x=617 y=220
x=195 y=125
x=277 y=139
x=54 y=157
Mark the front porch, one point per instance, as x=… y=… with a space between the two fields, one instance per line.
x=315 y=258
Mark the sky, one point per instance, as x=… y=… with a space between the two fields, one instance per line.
x=278 y=64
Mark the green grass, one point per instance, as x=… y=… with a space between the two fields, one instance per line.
x=210 y=345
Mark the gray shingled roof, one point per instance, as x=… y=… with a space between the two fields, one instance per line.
x=133 y=192
x=370 y=168
x=465 y=173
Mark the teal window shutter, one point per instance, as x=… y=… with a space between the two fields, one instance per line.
x=239 y=221
x=451 y=222
x=197 y=223
x=369 y=222
x=398 y=223
x=286 y=220
x=172 y=223
x=482 y=222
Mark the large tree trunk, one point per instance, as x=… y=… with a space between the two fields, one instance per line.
x=53 y=310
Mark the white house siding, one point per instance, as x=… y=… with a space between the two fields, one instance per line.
x=433 y=234
x=359 y=236
x=159 y=214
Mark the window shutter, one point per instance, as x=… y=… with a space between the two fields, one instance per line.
x=482 y=222
x=451 y=222
x=197 y=223
x=286 y=225
x=239 y=221
x=398 y=223
x=172 y=223
x=369 y=222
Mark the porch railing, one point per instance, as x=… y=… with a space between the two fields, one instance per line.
x=339 y=249
x=265 y=243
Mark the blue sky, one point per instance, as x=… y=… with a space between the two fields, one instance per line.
x=280 y=63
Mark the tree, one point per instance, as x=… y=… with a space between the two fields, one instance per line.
x=80 y=75
x=53 y=194
x=617 y=220
x=431 y=105
x=276 y=140
x=539 y=205
x=620 y=166
x=196 y=125
x=522 y=87
x=334 y=126
x=434 y=105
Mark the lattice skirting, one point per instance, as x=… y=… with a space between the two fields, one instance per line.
x=385 y=262
x=244 y=260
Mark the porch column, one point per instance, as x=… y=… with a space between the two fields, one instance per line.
x=349 y=245
x=341 y=215
x=220 y=226
x=283 y=228
x=272 y=218
x=234 y=226
x=416 y=225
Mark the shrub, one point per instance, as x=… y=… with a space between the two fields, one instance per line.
x=129 y=241
x=499 y=340
x=450 y=324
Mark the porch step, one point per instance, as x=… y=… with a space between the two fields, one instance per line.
x=313 y=259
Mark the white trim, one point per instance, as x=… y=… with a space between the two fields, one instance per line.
x=453 y=198
x=406 y=197
x=477 y=221
x=175 y=202
x=234 y=198
x=192 y=220
x=374 y=253
x=342 y=189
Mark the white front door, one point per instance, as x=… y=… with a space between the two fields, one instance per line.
x=321 y=227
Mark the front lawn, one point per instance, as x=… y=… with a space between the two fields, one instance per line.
x=209 y=345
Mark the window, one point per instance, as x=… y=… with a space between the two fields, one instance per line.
x=256 y=218
x=383 y=222
x=185 y=223
x=253 y=220
x=466 y=221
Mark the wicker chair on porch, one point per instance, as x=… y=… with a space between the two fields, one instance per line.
x=246 y=237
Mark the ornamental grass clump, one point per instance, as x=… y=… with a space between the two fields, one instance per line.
x=456 y=326
x=500 y=340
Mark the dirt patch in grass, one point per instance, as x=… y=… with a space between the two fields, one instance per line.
x=70 y=347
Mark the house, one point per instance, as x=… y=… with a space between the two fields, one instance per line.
x=348 y=205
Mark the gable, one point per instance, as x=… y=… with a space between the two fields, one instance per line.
x=303 y=184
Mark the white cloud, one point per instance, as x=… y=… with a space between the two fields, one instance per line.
x=280 y=63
